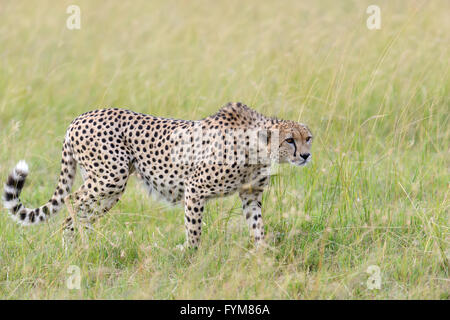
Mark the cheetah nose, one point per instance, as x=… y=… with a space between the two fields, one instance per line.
x=305 y=156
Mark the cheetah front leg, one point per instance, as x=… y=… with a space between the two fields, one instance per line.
x=193 y=208
x=251 y=205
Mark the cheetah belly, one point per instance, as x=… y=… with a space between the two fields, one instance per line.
x=165 y=193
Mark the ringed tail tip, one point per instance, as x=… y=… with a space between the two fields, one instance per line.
x=21 y=168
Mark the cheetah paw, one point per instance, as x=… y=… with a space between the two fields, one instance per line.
x=183 y=246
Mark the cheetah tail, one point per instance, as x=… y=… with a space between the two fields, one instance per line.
x=15 y=183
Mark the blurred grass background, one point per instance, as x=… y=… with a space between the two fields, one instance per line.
x=377 y=102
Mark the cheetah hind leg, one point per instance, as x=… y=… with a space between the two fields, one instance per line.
x=84 y=209
x=71 y=222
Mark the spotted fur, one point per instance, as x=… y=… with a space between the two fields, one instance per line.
x=187 y=162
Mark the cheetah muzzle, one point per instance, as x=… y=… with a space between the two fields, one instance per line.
x=181 y=161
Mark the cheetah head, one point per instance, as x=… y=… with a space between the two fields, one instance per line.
x=295 y=141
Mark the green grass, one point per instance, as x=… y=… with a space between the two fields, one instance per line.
x=377 y=101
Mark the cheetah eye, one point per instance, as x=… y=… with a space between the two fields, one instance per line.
x=308 y=139
x=290 y=140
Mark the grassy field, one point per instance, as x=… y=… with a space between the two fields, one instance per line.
x=377 y=101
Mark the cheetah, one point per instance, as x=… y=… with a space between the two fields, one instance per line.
x=184 y=162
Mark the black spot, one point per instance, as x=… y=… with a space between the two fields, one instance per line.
x=45 y=210
x=9 y=196
x=16 y=208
